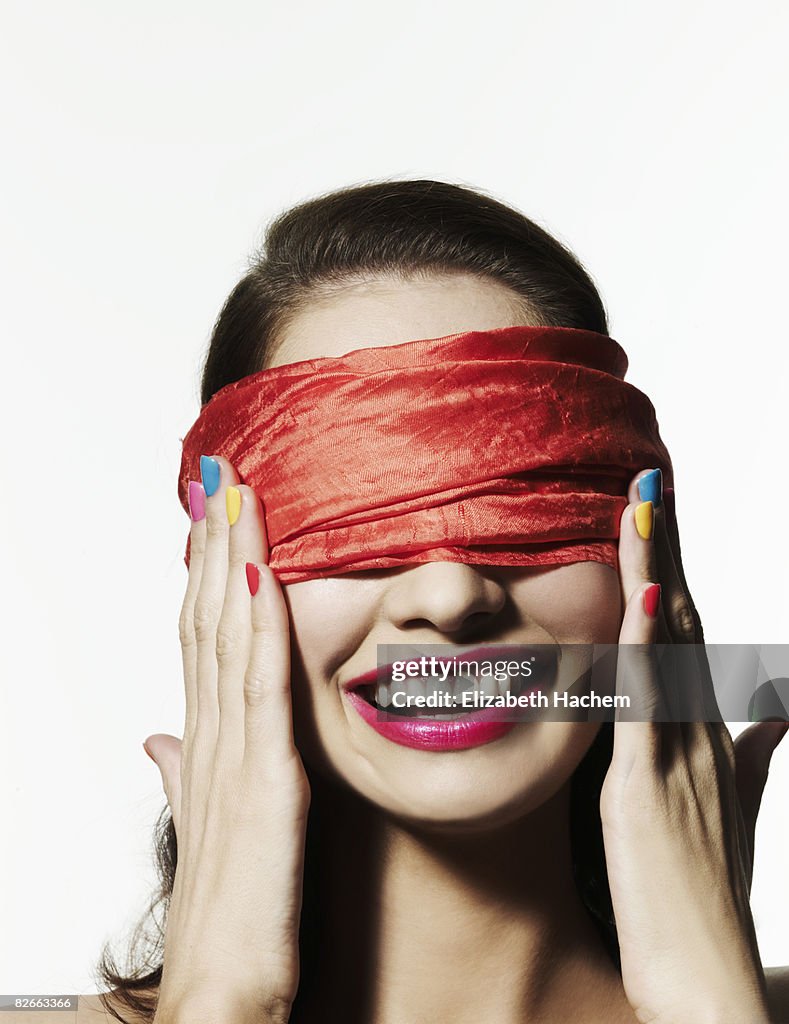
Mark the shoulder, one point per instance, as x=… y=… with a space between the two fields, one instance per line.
x=778 y=993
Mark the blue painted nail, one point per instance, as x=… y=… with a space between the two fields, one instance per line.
x=209 y=471
x=650 y=487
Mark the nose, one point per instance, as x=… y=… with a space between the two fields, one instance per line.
x=450 y=597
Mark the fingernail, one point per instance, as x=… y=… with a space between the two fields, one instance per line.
x=232 y=503
x=147 y=751
x=209 y=472
x=645 y=519
x=652 y=600
x=650 y=487
x=196 y=501
x=253 y=578
x=668 y=497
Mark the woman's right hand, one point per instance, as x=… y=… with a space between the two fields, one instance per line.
x=235 y=784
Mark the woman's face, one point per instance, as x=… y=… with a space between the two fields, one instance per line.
x=338 y=622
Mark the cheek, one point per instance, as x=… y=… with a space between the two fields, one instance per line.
x=599 y=602
x=329 y=622
x=323 y=614
x=579 y=603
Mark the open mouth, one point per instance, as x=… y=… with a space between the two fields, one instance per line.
x=458 y=701
x=457 y=696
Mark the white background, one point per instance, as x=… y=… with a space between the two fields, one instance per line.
x=147 y=145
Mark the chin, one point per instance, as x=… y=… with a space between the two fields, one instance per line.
x=466 y=813
x=467 y=790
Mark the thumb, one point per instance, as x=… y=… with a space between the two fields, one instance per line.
x=753 y=749
x=165 y=751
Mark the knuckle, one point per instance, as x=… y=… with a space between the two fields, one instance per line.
x=196 y=548
x=255 y=688
x=238 y=555
x=205 y=617
x=683 y=616
x=216 y=526
x=186 y=627
x=229 y=640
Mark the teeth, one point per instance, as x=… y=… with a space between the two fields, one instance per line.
x=462 y=684
x=486 y=686
x=413 y=687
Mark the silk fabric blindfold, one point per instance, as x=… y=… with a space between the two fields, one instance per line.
x=513 y=446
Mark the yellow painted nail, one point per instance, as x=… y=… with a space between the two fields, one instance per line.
x=233 y=504
x=644 y=519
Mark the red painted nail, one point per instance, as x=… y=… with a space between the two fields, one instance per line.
x=147 y=751
x=253 y=578
x=652 y=600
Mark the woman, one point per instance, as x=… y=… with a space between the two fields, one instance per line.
x=560 y=872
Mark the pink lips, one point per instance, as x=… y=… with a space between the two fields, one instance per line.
x=425 y=733
x=470 y=730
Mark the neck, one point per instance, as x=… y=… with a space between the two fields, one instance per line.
x=449 y=925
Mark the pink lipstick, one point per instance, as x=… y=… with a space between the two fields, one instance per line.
x=461 y=732
x=470 y=730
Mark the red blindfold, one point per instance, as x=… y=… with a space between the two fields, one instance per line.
x=512 y=446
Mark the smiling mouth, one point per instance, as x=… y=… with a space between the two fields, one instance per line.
x=443 y=724
x=456 y=697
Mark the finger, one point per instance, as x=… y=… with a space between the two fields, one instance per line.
x=165 y=751
x=648 y=486
x=637 y=558
x=247 y=542
x=217 y=474
x=186 y=625
x=676 y=599
x=686 y=611
x=696 y=693
x=268 y=737
x=637 y=730
x=636 y=675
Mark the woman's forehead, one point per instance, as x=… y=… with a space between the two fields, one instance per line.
x=388 y=311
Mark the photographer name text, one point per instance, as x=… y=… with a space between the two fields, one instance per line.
x=473 y=699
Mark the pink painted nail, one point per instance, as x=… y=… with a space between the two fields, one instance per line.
x=196 y=501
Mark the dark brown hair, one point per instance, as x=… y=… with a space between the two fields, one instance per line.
x=406 y=229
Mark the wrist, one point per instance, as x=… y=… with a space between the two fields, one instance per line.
x=723 y=1015
x=735 y=992
x=720 y=1011
x=198 y=1008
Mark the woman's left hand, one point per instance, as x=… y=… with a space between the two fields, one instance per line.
x=675 y=840
x=679 y=622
